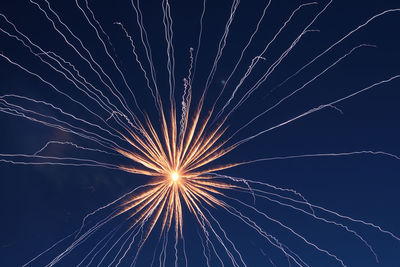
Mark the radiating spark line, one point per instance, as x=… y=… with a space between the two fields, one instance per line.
x=99 y=25
x=267 y=73
x=201 y=21
x=53 y=88
x=50 y=65
x=320 y=107
x=110 y=235
x=146 y=45
x=383 y=153
x=204 y=249
x=184 y=251
x=126 y=251
x=74 y=145
x=291 y=230
x=305 y=30
x=298 y=209
x=241 y=57
x=168 y=33
x=50 y=84
x=226 y=237
x=50 y=248
x=162 y=257
x=86 y=83
x=107 y=53
x=251 y=190
x=337 y=42
x=323 y=220
x=314 y=206
x=85 y=162
x=209 y=243
x=302 y=87
x=119 y=96
x=61 y=111
x=232 y=258
x=256 y=59
x=270 y=238
x=130 y=232
x=137 y=59
x=79 y=241
x=186 y=98
x=58 y=126
x=221 y=46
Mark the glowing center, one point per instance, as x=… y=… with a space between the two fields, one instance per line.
x=174 y=176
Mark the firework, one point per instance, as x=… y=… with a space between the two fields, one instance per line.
x=128 y=118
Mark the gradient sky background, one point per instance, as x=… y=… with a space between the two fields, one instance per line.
x=41 y=204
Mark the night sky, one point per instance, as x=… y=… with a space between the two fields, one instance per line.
x=41 y=204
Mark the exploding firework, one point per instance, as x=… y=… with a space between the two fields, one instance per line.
x=115 y=101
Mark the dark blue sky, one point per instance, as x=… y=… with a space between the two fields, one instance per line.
x=41 y=204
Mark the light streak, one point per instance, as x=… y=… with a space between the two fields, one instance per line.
x=178 y=153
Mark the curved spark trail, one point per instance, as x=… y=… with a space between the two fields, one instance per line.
x=183 y=150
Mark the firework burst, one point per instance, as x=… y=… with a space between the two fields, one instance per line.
x=183 y=146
